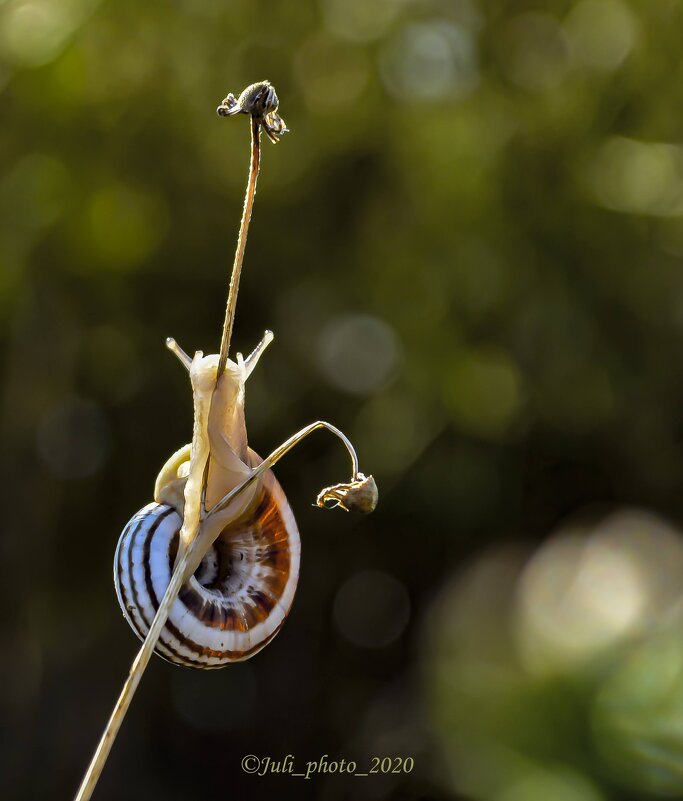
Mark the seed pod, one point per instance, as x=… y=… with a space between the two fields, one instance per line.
x=359 y=495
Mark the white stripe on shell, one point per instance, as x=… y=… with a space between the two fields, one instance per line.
x=181 y=617
x=148 y=515
x=211 y=637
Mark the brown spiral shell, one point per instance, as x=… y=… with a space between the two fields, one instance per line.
x=237 y=599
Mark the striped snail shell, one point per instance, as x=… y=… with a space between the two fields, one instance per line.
x=239 y=596
x=241 y=591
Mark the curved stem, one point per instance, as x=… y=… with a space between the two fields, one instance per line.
x=279 y=452
x=254 y=165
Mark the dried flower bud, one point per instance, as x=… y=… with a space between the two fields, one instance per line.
x=259 y=101
x=359 y=495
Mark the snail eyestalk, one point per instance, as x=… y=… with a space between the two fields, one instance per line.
x=176 y=350
x=252 y=359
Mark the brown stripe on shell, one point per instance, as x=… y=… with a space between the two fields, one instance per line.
x=130 y=617
x=177 y=658
x=155 y=601
x=266 y=527
x=135 y=605
x=131 y=546
x=150 y=589
x=261 y=538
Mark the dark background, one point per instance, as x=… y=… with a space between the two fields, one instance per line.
x=470 y=250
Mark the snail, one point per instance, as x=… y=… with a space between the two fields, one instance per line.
x=243 y=589
x=206 y=573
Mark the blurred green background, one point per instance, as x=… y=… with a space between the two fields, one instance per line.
x=470 y=248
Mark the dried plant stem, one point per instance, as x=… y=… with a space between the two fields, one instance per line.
x=274 y=127
x=254 y=165
x=99 y=759
x=138 y=667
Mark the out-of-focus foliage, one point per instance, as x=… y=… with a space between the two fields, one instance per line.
x=561 y=675
x=470 y=250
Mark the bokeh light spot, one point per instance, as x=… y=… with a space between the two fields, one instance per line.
x=483 y=391
x=34 y=33
x=394 y=430
x=127 y=224
x=559 y=784
x=639 y=177
x=359 y=20
x=430 y=61
x=537 y=51
x=73 y=438
x=358 y=353
x=34 y=192
x=585 y=639
x=584 y=592
x=602 y=33
x=371 y=609
x=331 y=74
x=576 y=600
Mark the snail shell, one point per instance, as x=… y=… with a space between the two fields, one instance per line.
x=239 y=596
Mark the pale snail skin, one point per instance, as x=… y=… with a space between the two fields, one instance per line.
x=241 y=592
